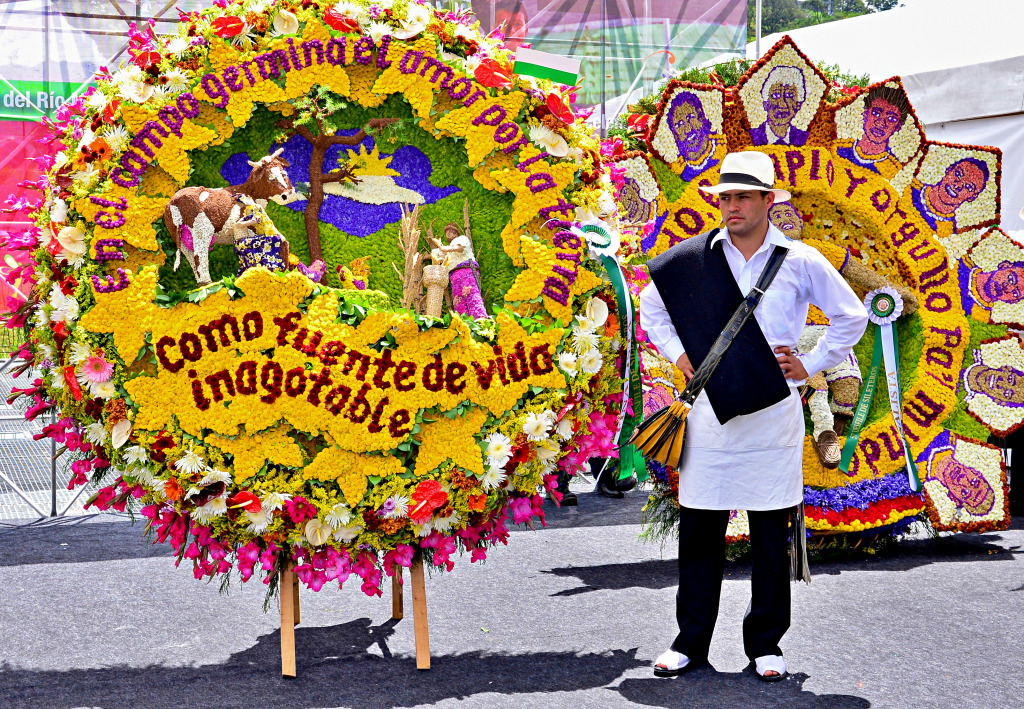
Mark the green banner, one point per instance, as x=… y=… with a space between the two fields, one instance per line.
x=31 y=100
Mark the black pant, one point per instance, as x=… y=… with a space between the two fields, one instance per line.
x=701 y=565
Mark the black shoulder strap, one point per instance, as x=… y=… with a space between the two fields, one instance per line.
x=739 y=318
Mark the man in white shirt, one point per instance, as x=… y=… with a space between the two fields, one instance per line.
x=738 y=455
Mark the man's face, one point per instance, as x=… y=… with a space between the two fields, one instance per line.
x=963 y=182
x=1004 y=284
x=782 y=103
x=1004 y=385
x=881 y=120
x=513 y=25
x=787 y=220
x=688 y=126
x=965 y=485
x=744 y=211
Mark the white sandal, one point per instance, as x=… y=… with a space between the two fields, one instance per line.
x=675 y=663
x=771 y=663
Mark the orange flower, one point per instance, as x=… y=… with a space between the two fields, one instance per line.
x=173 y=490
x=477 y=503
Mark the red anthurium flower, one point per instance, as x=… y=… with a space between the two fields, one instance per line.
x=245 y=501
x=558 y=107
x=229 y=26
x=639 y=124
x=491 y=73
x=340 y=22
x=110 y=110
x=72 y=381
x=426 y=498
x=144 y=60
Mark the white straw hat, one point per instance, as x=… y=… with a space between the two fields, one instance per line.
x=748 y=170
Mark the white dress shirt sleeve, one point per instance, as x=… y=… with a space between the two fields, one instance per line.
x=655 y=321
x=844 y=310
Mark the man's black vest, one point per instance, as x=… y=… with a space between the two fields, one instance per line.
x=700 y=295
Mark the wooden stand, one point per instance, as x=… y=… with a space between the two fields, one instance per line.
x=291 y=614
x=290 y=617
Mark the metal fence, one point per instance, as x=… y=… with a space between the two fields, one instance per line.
x=33 y=483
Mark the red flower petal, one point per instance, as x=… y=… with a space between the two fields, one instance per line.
x=229 y=26
x=557 y=106
x=340 y=23
x=491 y=73
x=145 y=60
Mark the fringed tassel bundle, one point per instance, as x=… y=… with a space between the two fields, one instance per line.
x=799 y=570
x=660 y=437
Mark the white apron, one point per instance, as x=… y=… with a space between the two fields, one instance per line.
x=753 y=462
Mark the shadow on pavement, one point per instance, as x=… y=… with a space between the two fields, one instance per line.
x=732 y=689
x=76 y=540
x=663 y=573
x=334 y=669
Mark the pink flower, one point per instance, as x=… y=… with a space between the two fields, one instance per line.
x=97 y=369
x=247 y=555
x=299 y=510
x=521 y=510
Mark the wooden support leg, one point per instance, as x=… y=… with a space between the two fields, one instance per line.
x=295 y=595
x=419 y=614
x=289 y=608
x=397 y=599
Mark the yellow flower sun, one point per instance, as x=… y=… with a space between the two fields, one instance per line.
x=371 y=163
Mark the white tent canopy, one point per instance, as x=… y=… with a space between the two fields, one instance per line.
x=962 y=64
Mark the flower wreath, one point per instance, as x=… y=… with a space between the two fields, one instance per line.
x=852 y=212
x=270 y=419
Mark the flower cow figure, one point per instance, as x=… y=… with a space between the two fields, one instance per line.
x=199 y=217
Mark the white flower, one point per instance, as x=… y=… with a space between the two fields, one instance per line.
x=597 y=312
x=499 y=449
x=377 y=30
x=286 y=23
x=258 y=521
x=348 y=532
x=549 y=140
x=418 y=14
x=120 y=432
x=567 y=362
x=493 y=478
x=78 y=353
x=96 y=434
x=87 y=176
x=191 y=463
x=215 y=476
x=178 y=45
x=72 y=240
x=591 y=361
x=585 y=324
x=103 y=390
x=97 y=101
x=317 y=532
x=126 y=75
x=64 y=308
x=583 y=341
x=137 y=91
x=409 y=30
x=117 y=137
x=214 y=508
x=177 y=81
x=348 y=10
x=244 y=39
x=339 y=515
x=58 y=211
x=605 y=204
x=469 y=64
x=274 y=501
x=463 y=32
x=564 y=429
x=547 y=449
x=576 y=155
x=401 y=507
x=536 y=426
x=444 y=524
x=136 y=454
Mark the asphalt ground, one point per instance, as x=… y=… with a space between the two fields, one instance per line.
x=568 y=616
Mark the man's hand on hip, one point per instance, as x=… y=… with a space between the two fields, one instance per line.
x=684 y=366
x=792 y=367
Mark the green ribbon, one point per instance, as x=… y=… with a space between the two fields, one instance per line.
x=886 y=342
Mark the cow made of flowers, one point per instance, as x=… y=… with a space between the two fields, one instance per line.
x=199 y=217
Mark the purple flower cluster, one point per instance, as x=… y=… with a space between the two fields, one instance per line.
x=109 y=250
x=110 y=286
x=861 y=494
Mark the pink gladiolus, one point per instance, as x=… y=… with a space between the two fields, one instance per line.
x=521 y=510
x=479 y=554
x=101 y=500
x=247 y=556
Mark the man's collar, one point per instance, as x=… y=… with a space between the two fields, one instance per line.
x=774 y=237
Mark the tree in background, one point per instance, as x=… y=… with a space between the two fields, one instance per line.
x=785 y=15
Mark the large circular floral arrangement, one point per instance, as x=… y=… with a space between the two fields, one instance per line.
x=304 y=416
x=887 y=207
